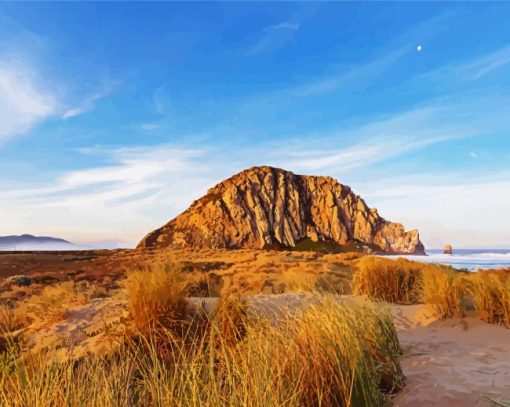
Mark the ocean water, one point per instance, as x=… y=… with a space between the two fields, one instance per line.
x=468 y=259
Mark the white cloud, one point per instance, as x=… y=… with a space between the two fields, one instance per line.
x=141 y=188
x=86 y=105
x=358 y=74
x=382 y=139
x=274 y=37
x=466 y=210
x=470 y=70
x=72 y=113
x=149 y=126
x=473 y=155
x=27 y=99
x=159 y=98
x=488 y=64
x=24 y=101
x=283 y=26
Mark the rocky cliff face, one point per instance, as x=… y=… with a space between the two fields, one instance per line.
x=265 y=207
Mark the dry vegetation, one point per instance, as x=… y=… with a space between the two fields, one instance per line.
x=331 y=353
x=39 y=304
x=448 y=292
x=156 y=296
x=169 y=352
x=246 y=271
x=443 y=289
x=387 y=280
x=490 y=292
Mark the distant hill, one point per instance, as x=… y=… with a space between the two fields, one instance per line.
x=30 y=242
x=266 y=207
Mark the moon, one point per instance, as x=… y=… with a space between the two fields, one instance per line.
x=419 y=48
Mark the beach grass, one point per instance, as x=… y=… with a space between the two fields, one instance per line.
x=387 y=280
x=448 y=292
x=331 y=353
x=490 y=293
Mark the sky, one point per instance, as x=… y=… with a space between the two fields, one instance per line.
x=114 y=117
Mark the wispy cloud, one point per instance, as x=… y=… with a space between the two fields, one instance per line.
x=451 y=208
x=159 y=97
x=274 y=37
x=149 y=126
x=362 y=74
x=140 y=168
x=283 y=26
x=138 y=189
x=382 y=139
x=470 y=70
x=487 y=64
x=359 y=74
x=24 y=100
x=86 y=105
x=27 y=97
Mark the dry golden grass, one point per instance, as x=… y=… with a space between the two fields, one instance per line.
x=407 y=282
x=230 y=318
x=52 y=302
x=156 y=296
x=387 y=280
x=249 y=272
x=10 y=320
x=294 y=280
x=443 y=290
x=490 y=292
x=331 y=354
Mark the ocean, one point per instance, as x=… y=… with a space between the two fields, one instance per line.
x=468 y=259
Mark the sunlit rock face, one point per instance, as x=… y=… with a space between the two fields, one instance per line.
x=266 y=207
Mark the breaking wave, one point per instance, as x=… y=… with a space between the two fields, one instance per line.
x=466 y=259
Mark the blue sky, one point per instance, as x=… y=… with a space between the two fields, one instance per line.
x=115 y=116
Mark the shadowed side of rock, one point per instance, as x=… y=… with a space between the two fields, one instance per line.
x=266 y=207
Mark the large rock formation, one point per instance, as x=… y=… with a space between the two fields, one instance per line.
x=265 y=207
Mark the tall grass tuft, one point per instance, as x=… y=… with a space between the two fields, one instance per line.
x=387 y=280
x=490 y=292
x=442 y=289
x=230 y=318
x=156 y=296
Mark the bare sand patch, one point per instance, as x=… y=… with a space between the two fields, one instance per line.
x=456 y=362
